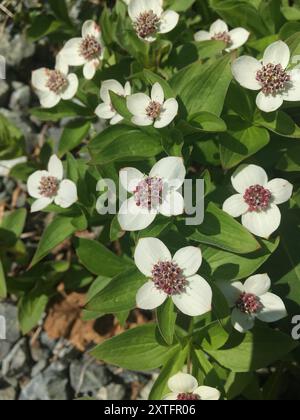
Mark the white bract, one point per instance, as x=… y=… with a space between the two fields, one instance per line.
x=49 y=186
x=51 y=86
x=185 y=387
x=152 y=110
x=252 y=300
x=172 y=277
x=153 y=194
x=149 y=18
x=87 y=51
x=270 y=76
x=7 y=165
x=219 y=31
x=106 y=109
x=257 y=199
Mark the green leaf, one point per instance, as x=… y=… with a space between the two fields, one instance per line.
x=174 y=365
x=256 y=350
x=73 y=135
x=43 y=25
x=60 y=10
x=119 y=295
x=65 y=109
x=222 y=231
x=120 y=105
x=122 y=143
x=203 y=121
x=166 y=318
x=279 y=122
x=15 y=221
x=140 y=348
x=223 y=265
x=153 y=78
x=180 y=5
x=98 y=259
x=57 y=232
x=241 y=141
x=3 y=289
x=31 y=309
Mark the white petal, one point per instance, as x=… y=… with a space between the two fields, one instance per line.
x=218 y=27
x=168 y=113
x=149 y=297
x=138 y=103
x=277 y=53
x=136 y=7
x=133 y=218
x=71 y=52
x=247 y=176
x=281 y=190
x=33 y=183
x=40 y=204
x=130 y=178
x=55 y=167
x=168 y=21
x=172 y=205
x=274 y=308
x=61 y=63
x=207 y=393
x=170 y=397
x=231 y=291
x=7 y=165
x=105 y=111
x=202 y=36
x=116 y=119
x=110 y=85
x=197 y=298
x=90 y=68
x=48 y=99
x=244 y=70
x=171 y=170
x=142 y=121
x=258 y=285
x=263 y=223
x=235 y=205
x=67 y=194
x=242 y=322
x=239 y=37
x=157 y=93
x=292 y=92
x=150 y=251
x=72 y=88
x=127 y=89
x=39 y=79
x=268 y=103
x=189 y=259
x=90 y=28
x=182 y=383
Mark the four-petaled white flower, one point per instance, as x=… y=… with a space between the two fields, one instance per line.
x=173 y=278
x=252 y=300
x=106 y=109
x=270 y=76
x=185 y=387
x=155 y=110
x=7 y=165
x=49 y=186
x=154 y=194
x=257 y=199
x=149 y=18
x=87 y=51
x=219 y=32
x=51 y=86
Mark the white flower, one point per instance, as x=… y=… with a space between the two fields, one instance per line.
x=51 y=86
x=106 y=109
x=219 y=32
x=252 y=300
x=173 y=278
x=152 y=195
x=49 y=186
x=185 y=387
x=7 y=165
x=87 y=51
x=270 y=76
x=149 y=19
x=128 y=1
x=257 y=199
x=155 y=110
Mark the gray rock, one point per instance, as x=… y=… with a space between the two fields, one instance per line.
x=15 y=48
x=114 y=392
x=20 y=99
x=7 y=394
x=88 y=377
x=15 y=363
x=51 y=385
x=9 y=312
